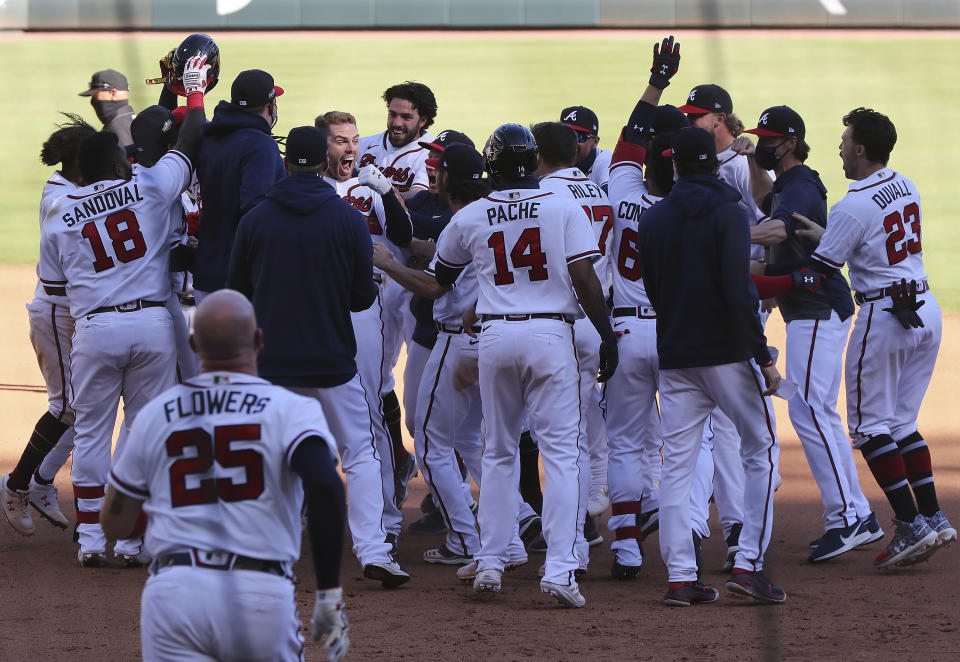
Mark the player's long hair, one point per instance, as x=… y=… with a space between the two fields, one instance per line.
x=63 y=145
x=466 y=191
x=419 y=95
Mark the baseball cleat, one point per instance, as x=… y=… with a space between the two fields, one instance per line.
x=624 y=572
x=44 y=500
x=871 y=526
x=429 y=525
x=946 y=534
x=838 y=541
x=910 y=539
x=91 y=559
x=16 y=507
x=488 y=580
x=141 y=560
x=390 y=574
x=530 y=529
x=578 y=574
x=567 y=596
x=405 y=471
x=755 y=585
x=591 y=532
x=443 y=555
x=598 y=501
x=469 y=572
x=427 y=504
x=649 y=522
x=684 y=594
x=733 y=546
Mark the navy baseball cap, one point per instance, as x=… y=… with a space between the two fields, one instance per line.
x=580 y=118
x=306 y=146
x=705 y=99
x=254 y=88
x=460 y=161
x=780 y=121
x=446 y=138
x=105 y=80
x=692 y=144
x=150 y=124
x=669 y=118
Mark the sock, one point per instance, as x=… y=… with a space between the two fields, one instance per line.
x=887 y=466
x=916 y=460
x=40 y=480
x=391 y=416
x=530 y=472
x=46 y=433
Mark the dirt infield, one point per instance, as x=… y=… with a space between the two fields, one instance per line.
x=843 y=609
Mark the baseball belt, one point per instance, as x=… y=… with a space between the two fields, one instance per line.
x=216 y=561
x=187 y=299
x=454 y=329
x=128 y=307
x=645 y=313
x=532 y=316
x=862 y=298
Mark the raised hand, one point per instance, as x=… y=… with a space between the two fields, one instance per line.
x=666 y=61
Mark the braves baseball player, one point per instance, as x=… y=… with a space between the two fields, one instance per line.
x=876 y=230
x=223 y=465
x=527 y=278
x=373 y=196
x=108 y=244
x=591 y=160
x=51 y=334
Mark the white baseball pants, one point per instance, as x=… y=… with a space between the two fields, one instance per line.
x=687 y=397
x=587 y=342
x=417 y=356
x=531 y=366
x=346 y=408
x=719 y=474
x=195 y=614
x=188 y=364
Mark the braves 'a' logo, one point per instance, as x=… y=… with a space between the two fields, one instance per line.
x=442 y=137
x=572 y=115
x=693 y=93
x=764 y=118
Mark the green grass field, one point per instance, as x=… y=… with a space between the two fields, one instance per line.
x=482 y=81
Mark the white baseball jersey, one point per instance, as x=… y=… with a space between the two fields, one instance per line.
x=630 y=198
x=875 y=228
x=600 y=169
x=404 y=166
x=56 y=187
x=211 y=458
x=449 y=308
x=520 y=241
x=369 y=203
x=572 y=183
x=109 y=243
x=735 y=171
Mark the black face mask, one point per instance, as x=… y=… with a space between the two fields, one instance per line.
x=106 y=110
x=766 y=157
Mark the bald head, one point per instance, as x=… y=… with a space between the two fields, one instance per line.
x=225 y=328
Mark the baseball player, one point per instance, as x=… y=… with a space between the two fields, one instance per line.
x=876 y=230
x=51 y=334
x=527 y=278
x=222 y=465
x=591 y=160
x=373 y=196
x=557 y=145
x=108 y=245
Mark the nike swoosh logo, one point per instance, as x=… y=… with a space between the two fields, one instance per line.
x=474 y=341
x=438 y=215
x=616 y=324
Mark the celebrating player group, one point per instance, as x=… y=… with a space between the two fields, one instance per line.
x=600 y=312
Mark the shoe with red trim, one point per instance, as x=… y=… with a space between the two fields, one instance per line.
x=684 y=594
x=755 y=585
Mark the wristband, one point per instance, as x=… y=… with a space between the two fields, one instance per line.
x=195 y=100
x=658 y=81
x=769 y=365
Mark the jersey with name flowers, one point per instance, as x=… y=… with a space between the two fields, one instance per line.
x=520 y=241
x=875 y=229
x=109 y=243
x=211 y=459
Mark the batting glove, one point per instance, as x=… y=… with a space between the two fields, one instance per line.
x=905 y=304
x=609 y=358
x=195 y=74
x=329 y=623
x=666 y=61
x=807 y=280
x=371 y=176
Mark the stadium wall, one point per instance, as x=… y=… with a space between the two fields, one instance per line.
x=466 y=14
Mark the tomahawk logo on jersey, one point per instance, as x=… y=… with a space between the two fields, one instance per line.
x=875 y=229
x=573 y=184
x=513 y=239
x=213 y=454
x=405 y=166
x=108 y=243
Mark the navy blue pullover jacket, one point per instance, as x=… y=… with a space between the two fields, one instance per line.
x=305 y=258
x=429 y=215
x=238 y=161
x=695 y=254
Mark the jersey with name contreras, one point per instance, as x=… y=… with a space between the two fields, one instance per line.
x=405 y=166
x=520 y=241
x=735 y=170
x=449 y=308
x=572 y=183
x=369 y=203
x=211 y=458
x=629 y=197
x=109 y=243
x=56 y=187
x=875 y=229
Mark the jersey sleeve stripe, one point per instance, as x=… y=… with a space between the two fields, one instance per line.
x=826 y=261
x=184 y=157
x=452 y=265
x=629 y=153
x=292 y=446
x=580 y=256
x=53 y=282
x=127 y=488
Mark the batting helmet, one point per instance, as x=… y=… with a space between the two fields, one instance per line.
x=195 y=44
x=512 y=153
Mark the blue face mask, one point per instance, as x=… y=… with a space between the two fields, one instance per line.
x=766 y=157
